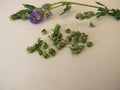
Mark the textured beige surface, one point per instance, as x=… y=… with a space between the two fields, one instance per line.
x=97 y=68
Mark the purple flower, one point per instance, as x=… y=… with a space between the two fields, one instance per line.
x=36 y=16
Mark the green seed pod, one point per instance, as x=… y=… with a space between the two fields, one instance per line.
x=68 y=38
x=83 y=40
x=60 y=45
x=72 y=34
x=76 y=52
x=59 y=35
x=80 y=47
x=39 y=42
x=77 y=33
x=30 y=49
x=76 y=39
x=53 y=37
x=36 y=45
x=80 y=16
x=52 y=51
x=44 y=31
x=89 y=14
x=74 y=47
x=40 y=52
x=44 y=45
x=83 y=35
x=55 y=42
x=45 y=55
x=56 y=29
x=91 y=25
x=68 y=30
x=89 y=44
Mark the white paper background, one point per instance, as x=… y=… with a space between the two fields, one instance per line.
x=97 y=68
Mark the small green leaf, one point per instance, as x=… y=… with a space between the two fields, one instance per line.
x=67 y=8
x=30 y=7
x=101 y=4
x=23 y=11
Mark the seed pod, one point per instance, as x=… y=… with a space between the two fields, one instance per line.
x=44 y=31
x=89 y=44
x=44 y=45
x=68 y=30
x=40 y=52
x=45 y=55
x=52 y=51
x=30 y=49
x=68 y=38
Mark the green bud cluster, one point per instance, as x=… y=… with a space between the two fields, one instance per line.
x=57 y=37
x=85 y=15
x=41 y=47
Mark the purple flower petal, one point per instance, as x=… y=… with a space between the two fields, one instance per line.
x=34 y=20
x=37 y=12
x=36 y=16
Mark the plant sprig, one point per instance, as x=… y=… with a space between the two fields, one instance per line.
x=36 y=14
x=101 y=11
x=23 y=14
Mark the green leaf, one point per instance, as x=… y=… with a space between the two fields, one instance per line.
x=22 y=14
x=24 y=11
x=115 y=13
x=102 y=12
x=30 y=7
x=101 y=4
x=67 y=8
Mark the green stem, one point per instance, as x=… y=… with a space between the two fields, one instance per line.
x=84 y=5
x=81 y=4
x=56 y=3
x=56 y=6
